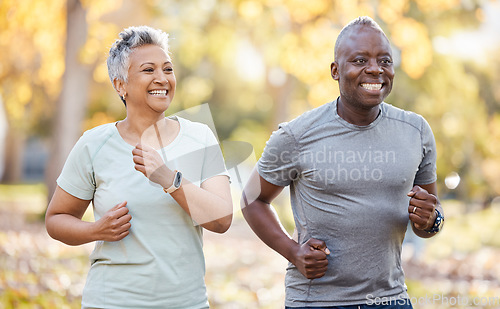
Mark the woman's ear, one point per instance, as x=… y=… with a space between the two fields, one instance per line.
x=119 y=86
x=334 y=70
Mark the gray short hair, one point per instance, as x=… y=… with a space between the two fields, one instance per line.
x=130 y=38
x=360 y=21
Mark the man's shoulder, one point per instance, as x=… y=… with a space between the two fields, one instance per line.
x=311 y=118
x=399 y=114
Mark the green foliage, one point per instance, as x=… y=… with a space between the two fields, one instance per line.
x=260 y=62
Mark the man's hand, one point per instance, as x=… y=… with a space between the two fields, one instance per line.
x=421 y=208
x=310 y=259
x=115 y=223
x=149 y=162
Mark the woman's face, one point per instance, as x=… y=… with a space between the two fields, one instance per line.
x=151 y=79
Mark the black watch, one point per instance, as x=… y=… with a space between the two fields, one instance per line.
x=438 y=224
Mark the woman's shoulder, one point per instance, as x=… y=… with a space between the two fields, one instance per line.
x=192 y=125
x=194 y=129
x=96 y=134
x=103 y=128
x=197 y=131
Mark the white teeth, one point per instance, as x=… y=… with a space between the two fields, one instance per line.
x=158 y=92
x=372 y=86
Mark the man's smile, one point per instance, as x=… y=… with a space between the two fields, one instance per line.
x=371 y=86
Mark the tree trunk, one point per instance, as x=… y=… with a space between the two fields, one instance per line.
x=13 y=156
x=282 y=100
x=72 y=103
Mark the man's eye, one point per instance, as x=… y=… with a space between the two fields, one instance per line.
x=386 y=61
x=359 y=61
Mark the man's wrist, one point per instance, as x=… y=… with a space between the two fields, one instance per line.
x=432 y=221
x=292 y=250
x=437 y=223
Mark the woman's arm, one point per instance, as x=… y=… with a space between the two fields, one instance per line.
x=210 y=205
x=63 y=221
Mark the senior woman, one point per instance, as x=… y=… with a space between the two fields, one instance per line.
x=155 y=182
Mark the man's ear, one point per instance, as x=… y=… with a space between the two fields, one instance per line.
x=334 y=70
x=119 y=86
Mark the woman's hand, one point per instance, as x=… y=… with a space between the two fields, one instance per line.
x=115 y=223
x=210 y=204
x=149 y=162
x=63 y=221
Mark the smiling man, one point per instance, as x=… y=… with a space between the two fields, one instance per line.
x=359 y=170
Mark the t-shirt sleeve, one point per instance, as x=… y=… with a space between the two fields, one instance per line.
x=279 y=161
x=77 y=176
x=426 y=173
x=213 y=161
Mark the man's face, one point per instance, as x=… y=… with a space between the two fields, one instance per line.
x=363 y=67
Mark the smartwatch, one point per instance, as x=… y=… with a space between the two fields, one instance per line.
x=438 y=224
x=176 y=184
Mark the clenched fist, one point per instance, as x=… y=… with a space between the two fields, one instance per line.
x=114 y=225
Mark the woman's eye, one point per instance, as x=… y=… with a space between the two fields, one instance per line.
x=148 y=70
x=168 y=70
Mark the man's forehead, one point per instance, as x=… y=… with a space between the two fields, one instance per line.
x=357 y=30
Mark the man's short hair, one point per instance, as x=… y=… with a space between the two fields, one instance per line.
x=360 y=21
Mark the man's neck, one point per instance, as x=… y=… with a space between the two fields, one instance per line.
x=357 y=116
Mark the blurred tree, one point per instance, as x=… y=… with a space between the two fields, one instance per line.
x=85 y=33
x=31 y=52
x=258 y=63
x=72 y=102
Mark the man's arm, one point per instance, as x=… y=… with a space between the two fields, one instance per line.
x=423 y=201
x=309 y=258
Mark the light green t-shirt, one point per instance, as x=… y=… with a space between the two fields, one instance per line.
x=160 y=264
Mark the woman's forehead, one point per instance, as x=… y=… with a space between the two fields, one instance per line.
x=151 y=53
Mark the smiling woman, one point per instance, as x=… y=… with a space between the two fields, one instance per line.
x=154 y=183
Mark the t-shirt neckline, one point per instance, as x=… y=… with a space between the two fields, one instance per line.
x=353 y=126
x=169 y=146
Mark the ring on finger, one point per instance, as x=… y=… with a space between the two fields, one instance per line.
x=414 y=211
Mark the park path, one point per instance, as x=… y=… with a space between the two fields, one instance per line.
x=241 y=271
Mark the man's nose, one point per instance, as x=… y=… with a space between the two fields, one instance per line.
x=374 y=67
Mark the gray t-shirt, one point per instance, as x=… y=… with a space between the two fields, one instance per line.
x=348 y=187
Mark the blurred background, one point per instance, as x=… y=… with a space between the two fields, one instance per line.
x=256 y=63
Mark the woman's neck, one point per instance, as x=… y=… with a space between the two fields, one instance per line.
x=156 y=133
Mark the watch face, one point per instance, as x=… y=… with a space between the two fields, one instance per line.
x=178 y=179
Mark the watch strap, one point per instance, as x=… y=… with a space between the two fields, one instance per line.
x=438 y=223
